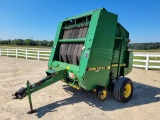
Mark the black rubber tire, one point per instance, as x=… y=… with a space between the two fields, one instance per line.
x=99 y=92
x=119 y=89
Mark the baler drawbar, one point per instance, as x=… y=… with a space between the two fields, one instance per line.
x=90 y=52
x=52 y=77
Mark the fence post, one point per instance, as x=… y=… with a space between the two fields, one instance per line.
x=38 y=54
x=0 y=51
x=26 y=53
x=147 y=61
x=16 y=53
x=7 y=52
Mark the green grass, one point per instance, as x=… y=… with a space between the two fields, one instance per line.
x=143 y=58
x=152 y=50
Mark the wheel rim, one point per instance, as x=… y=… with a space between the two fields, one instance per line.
x=103 y=94
x=127 y=90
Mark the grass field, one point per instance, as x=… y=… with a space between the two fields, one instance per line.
x=152 y=50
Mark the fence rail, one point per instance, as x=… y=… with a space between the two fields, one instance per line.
x=43 y=54
x=26 y=53
x=147 y=60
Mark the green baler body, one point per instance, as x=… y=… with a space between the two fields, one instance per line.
x=92 y=47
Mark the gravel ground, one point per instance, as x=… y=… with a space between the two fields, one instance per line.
x=61 y=102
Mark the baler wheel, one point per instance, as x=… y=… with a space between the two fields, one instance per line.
x=123 y=89
x=101 y=94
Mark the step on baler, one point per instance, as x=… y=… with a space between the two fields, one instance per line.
x=90 y=52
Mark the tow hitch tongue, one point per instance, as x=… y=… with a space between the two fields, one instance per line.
x=52 y=77
x=22 y=91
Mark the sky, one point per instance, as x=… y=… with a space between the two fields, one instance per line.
x=39 y=18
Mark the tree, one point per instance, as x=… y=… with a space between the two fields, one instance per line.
x=28 y=42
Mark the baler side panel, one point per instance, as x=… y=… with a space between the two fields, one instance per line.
x=88 y=45
x=120 y=50
x=55 y=47
x=126 y=57
x=101 y=51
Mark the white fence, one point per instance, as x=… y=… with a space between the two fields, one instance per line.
x=147 y=61
x=29 y=53
x=43 y=54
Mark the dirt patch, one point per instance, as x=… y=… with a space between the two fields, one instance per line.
x=62 y=102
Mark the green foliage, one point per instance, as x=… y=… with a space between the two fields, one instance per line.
x=150 y=50
x=144 y=46
x=26 y=42
x=30 y=42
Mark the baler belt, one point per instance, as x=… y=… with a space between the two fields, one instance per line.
x=73 y=33
x=70 y=53
x=74 y=60
x=69 y=34
x=64 y=34
x=79 y=52
x=64 y=48
x=77 y=32
x=80 y=32
x=84 y=32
